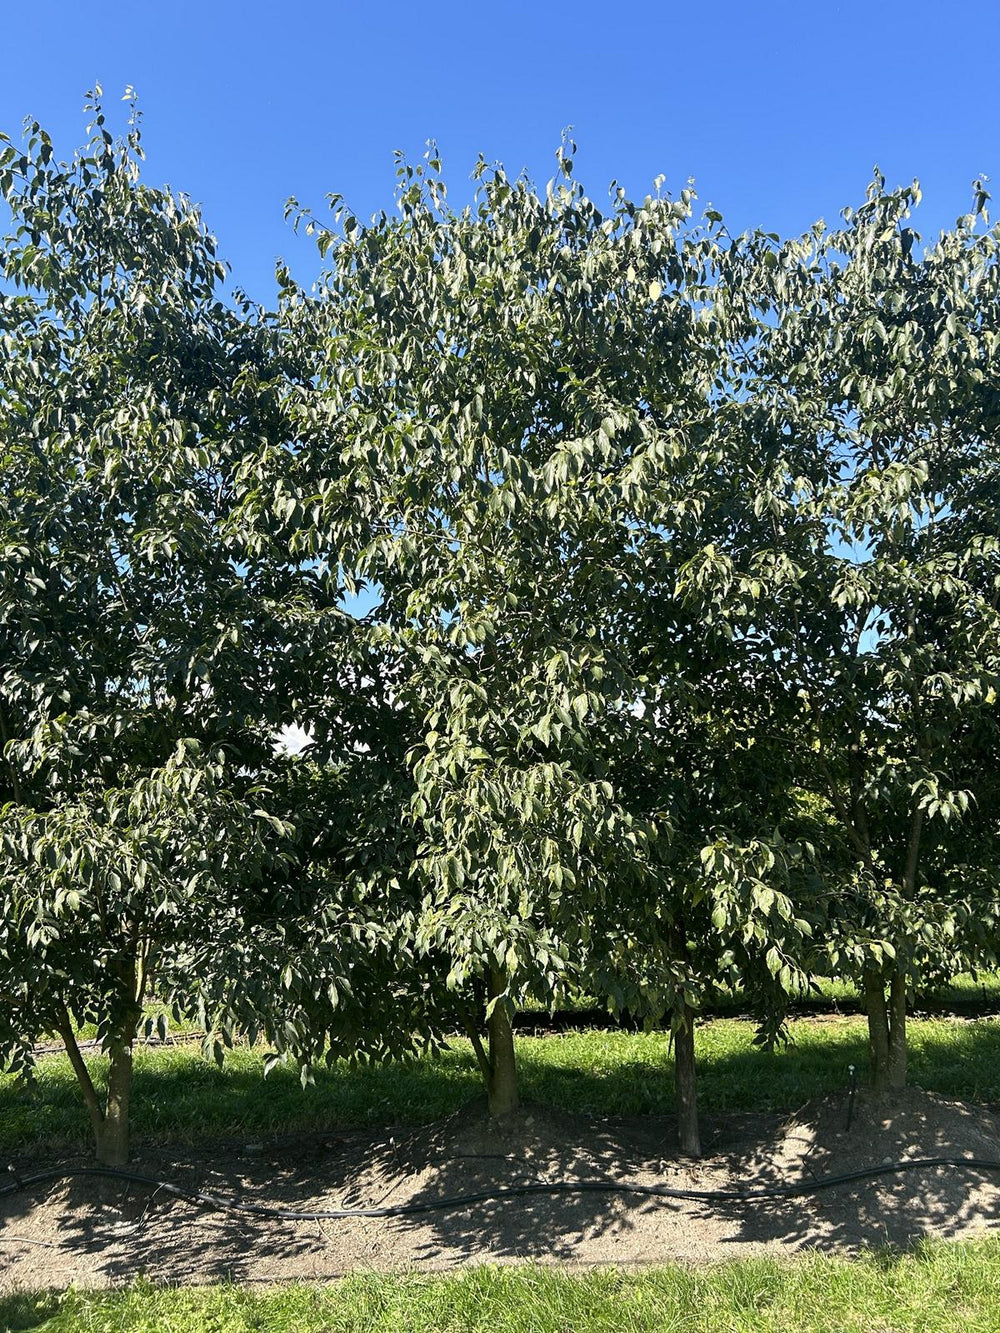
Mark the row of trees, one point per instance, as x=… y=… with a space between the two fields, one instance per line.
x=683 y=558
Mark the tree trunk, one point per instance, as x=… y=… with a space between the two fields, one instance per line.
x=502 y=1083
x=896 y=1074
x=91 y=1100
x=878 y=1032
x=684 y=1081
x=113 y=1136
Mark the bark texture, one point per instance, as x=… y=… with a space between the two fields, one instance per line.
x=685 y=1083
x=878 y=1032
x=897 y=1031
x=502 y=1082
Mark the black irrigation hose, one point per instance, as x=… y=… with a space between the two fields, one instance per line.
x=505 y=1192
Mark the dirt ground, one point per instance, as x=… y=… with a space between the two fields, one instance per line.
x=95 y=1233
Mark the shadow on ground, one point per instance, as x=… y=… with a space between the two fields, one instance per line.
x=103 y=1232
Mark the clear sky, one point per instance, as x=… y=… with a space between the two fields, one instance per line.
x=778 y=110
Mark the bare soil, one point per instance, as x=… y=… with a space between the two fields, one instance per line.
x=97 y=1232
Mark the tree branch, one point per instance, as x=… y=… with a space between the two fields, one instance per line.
x=913 y=852
x=15 y=779
x=860 y=846
x=76 y=1059
x=472 y=1032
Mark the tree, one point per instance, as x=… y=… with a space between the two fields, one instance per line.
x=105 y=895
x=509 y=406
x=872 y=406
x=144 y=620
x=470 y=441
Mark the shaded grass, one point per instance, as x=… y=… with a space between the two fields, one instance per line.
x=179 y=1095
x=939 y=1287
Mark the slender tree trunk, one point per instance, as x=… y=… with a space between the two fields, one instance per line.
x=479 y=1050
x=502 y=1083
x=878 y=1032
x=110 y=1123
x=685 y=1082
x=897 y=984
x=896 y=1073
x=113 y=1140
x=82 y=1073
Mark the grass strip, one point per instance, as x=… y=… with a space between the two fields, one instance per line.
x=180 y=1096
x=939 y=1287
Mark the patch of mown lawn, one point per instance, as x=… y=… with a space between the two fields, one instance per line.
x=983 y=988
x=939 y=1287
x=180 y=1095
x=964 y=990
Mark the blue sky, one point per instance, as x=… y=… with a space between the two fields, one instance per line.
x=778 y=110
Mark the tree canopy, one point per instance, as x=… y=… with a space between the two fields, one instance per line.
x=679 y=672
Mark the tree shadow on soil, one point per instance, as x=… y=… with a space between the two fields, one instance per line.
x=743 y=1152
x=89 y=1231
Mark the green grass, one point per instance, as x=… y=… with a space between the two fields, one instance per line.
x=179 y=1095
x=935 y=1289
x=963 y=989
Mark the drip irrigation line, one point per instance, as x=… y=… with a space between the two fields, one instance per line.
x=501 y=1194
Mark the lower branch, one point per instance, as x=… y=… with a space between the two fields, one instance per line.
x=65 y=1028
x=472 y=1032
